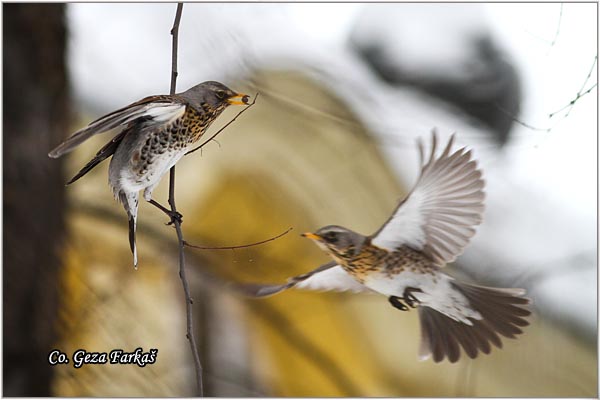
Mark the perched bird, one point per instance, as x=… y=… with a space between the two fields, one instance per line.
x=157 y=132
x=403 y=260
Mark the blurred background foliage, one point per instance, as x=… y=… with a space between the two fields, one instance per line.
x=308 y=154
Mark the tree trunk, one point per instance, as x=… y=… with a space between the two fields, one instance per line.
x=35 y=119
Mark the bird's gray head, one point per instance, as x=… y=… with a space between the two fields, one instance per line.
x=216 y=95
x=338 y=241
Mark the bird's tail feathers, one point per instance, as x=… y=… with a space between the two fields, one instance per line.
x=502 y=312
x=130 y=203
x=132 y=245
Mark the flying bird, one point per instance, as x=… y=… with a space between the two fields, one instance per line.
x=157 y=132
x=404 y=261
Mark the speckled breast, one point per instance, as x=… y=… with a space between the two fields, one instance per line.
x=373 y=259
x=161 y=146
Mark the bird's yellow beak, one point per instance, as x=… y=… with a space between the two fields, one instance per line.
x=311 y=235
x=239 y=99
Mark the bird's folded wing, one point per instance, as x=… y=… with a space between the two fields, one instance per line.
x=153 y=109
x=106 y=151
x=329 y=276
x=439 y=215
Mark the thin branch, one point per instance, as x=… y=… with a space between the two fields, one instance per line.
x=558 y=26
x=579 y=93
x=240 y=246
x=518 y=121
x=570 y=105
x=587 y=78
x=177 y=221
x=175 y=34
x=572 y=102
x=226 y=125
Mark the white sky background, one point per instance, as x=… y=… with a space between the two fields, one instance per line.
x=565 y=163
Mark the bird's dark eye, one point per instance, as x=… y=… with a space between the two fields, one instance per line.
x=220 y=94
x=331 y=237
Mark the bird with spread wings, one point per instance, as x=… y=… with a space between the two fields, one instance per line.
x=404 y=261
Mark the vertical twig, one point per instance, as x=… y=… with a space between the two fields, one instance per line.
x=177 y=222
x=175 y=34
x=560 y=15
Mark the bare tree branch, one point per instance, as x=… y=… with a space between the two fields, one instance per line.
x=560 y=15
x=175 y=34
x=572 y=102
x=177 y=220
x=587 y=78
x=239 y=246
x=518 y=121
x=570 y=105
x=226 y=125
x=580 y=93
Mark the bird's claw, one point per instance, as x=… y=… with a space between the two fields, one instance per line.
x=175 y=217
x=411 y=301
x=397 y=302
x=409 y=298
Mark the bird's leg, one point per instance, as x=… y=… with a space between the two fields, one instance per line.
x=174 y=215
x=397 y=302
x=409 y=298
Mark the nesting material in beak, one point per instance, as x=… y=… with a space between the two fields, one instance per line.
x=239 y=99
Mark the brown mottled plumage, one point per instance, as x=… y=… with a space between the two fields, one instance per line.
x=157 y=132
x=403 y=260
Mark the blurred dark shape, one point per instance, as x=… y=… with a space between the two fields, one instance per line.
x=479 y=80
x=35 y=119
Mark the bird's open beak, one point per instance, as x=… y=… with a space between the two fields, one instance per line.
x=311 y=235
x=239 y=99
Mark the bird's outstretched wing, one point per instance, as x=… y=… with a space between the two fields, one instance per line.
x=439 y=214
x=158 y=109
x=329 y=276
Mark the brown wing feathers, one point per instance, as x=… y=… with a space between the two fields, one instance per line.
x=502 y=314
x=105 y=152
x=108 y=122
x=455 y=205
x=439 y=214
